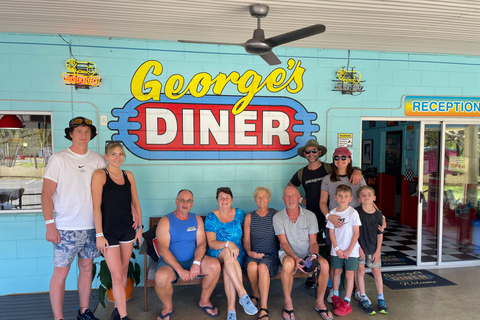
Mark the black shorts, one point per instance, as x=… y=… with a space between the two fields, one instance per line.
x=114 y=239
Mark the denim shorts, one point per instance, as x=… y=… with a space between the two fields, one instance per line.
x=369 y=261
x=184 y=264
x=81 y=243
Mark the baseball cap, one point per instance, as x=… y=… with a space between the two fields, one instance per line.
x=342 y=151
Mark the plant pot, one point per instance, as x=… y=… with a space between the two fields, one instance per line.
x=128 y=291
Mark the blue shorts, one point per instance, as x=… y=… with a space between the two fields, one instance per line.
x=184 y=264
x=81 y=243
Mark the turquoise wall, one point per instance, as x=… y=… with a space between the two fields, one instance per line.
x=30 y=80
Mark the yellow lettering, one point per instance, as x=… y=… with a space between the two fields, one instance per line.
x=138 y=83
x=297 y=76
x=202 y=79
x=174 y=85
x=221 y=81
x=251 y=89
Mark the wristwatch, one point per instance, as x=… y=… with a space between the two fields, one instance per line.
x=140 y=227
x=357 y=168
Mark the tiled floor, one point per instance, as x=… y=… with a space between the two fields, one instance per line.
x=401 y=238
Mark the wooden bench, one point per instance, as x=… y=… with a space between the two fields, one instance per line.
x=149 y=266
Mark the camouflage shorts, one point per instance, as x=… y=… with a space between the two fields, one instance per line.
x=73 y=243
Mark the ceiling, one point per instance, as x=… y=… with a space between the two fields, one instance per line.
x=440 y=26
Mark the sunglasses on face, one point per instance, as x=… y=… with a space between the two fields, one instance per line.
x=80 y=121
x=189 y=201
x=336 y=158
x=314 y=151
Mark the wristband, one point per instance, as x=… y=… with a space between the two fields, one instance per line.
x=226 y=244
x=50 y=221
x=314 y=254
x=196 y=262
x=336 y=249
x=140 y=227
x=326 y=216
x=98 y=235
x=357 y=168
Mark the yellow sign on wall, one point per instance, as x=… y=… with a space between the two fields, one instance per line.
x=431 y=106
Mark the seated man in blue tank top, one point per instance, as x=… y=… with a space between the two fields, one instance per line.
x=182 y=244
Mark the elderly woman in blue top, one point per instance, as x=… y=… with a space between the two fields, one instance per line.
x=223 y=228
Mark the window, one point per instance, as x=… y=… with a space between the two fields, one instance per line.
x=23 y=158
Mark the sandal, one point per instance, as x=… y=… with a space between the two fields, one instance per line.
x=290 y=314
x=170 y=314
x=212 y=308
x=265 y=315
x=256 y=300
x=321 y=312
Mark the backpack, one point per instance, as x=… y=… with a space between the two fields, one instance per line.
x=327 y=166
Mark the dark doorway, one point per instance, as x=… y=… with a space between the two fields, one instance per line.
x=393 y=164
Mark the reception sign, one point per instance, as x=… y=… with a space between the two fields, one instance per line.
x=431 y=106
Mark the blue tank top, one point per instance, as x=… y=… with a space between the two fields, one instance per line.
x=183 y=236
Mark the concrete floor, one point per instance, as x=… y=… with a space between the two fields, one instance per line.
x=451 y=302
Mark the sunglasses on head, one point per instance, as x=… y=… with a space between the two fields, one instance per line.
x=340 y=157
x=80 y=121
x=312 y=151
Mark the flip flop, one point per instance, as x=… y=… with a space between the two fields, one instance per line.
x=205 y=308
x=324 y=311
x=170 y=314
x=289 y=312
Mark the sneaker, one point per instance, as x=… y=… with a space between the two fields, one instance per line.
x=247 y=305
x=382 y=306
x=343 y=309
x=358 y=296
x=337 y=302
x=366 y=307
x=232 y=315
x=125 y=318
x=115 y=315
x=330 y=295
x=309 y=283
x=88 y=314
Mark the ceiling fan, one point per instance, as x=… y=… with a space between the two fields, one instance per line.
x=263 y=47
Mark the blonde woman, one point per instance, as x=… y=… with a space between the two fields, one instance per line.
x=114 y=192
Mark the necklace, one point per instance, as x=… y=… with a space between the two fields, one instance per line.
x=114 y=175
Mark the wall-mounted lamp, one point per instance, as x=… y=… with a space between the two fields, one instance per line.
x=11 y=121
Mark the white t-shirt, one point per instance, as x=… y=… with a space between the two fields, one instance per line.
x=344 y=234
x=72 y=199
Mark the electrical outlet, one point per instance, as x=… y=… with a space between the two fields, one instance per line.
x=103 y=120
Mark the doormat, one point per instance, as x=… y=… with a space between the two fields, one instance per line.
x=37 y=305
x=414 y=279
x=395 y=258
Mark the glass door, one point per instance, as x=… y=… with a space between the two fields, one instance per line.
x=449 y=202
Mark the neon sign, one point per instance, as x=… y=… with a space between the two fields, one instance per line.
x=206 y=129
x=81 y=74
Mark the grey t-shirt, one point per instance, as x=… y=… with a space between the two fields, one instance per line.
x=297 y=233
x=331 y=187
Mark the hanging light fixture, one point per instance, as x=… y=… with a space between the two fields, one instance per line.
x=10 y=121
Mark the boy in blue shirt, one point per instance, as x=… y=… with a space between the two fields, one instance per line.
x=370 y=249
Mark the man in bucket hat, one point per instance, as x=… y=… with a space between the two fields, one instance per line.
x=310 y=178
x=67 y=190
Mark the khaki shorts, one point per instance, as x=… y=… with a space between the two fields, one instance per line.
x=368 y=261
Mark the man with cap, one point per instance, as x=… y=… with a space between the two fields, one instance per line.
x=67 y=190
x=310 y=178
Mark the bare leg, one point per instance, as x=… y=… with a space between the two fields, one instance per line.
x=287 y=282
x=378 y=280
x=361 y=278
x=253 y=277
x=322 y=283
x=348 y=290
x=210 y=268
x=336 y=279
x=229 y=291
x=57 y=290
x=84 y=283
x=264 y=286
x=164 y=288
x=231 y=267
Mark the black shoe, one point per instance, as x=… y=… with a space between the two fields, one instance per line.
x=88 y=314
x=309 y=283
x=115 y=315
x=125 y=318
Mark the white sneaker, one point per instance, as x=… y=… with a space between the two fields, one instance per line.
x=358 y=297
x=330 y=295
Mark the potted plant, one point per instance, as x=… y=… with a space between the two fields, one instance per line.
x=105 y=278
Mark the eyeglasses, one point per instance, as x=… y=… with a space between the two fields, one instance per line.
x=336 y=158
x=314 y=151
x=182 y=201
x=79 y=121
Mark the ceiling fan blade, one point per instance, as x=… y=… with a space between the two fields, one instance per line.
x=270 y=58
x=295 y=35
x=209 y=42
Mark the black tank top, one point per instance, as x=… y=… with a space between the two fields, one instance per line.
x=116 y=205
